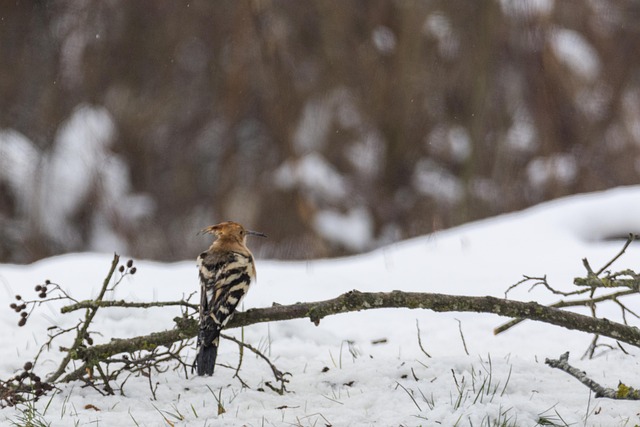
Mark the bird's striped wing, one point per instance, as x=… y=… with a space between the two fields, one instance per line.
x=225 y=279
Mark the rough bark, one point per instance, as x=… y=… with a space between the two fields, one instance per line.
x=357 y=301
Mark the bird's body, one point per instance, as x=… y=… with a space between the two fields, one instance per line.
x=226 y=272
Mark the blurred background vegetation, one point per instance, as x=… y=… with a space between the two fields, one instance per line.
x=333 y=126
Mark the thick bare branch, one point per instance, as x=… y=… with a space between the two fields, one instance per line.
x=357 y=301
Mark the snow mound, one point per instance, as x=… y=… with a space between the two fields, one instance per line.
x=367 y=368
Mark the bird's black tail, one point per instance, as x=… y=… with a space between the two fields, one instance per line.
x=207 y=351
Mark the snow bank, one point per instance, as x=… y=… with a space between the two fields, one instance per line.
x=367 y=383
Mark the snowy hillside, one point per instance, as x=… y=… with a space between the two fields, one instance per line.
x=365 y=368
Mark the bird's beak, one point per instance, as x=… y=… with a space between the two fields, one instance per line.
x=255 y=233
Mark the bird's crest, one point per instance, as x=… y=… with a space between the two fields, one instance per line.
x=230 y=229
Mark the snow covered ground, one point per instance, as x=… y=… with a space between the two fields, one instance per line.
x=340 y=376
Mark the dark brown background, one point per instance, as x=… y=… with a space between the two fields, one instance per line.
x=426 y=114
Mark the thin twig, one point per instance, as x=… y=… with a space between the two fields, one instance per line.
x=105 y=380
x=630 y=239
x=464 y=343
x=588 y=354
x=240 y=359
x=279 y=376
x=420 y=341
x=542 y=281
x=121 y=303
x=82 y=331
x=594 y=342
x=151 y=387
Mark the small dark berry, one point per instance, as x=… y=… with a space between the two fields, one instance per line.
x=121 y=269
x=38 y=288
x=28 y=366
x=13 y=305
x=42 y=294
x=130 y=263
x=47 y=282
x=133 y=270
x=23 y=375
x=23 y=306
x=18 y=297
x=22 y=321
x=36 y=379
x=89 y=340
x=24 y=314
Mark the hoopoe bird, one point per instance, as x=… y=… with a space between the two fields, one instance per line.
x=226 y=273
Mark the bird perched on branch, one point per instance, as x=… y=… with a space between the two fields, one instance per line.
x=227 y=271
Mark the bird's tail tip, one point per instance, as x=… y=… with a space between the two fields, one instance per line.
x=206 y=355
x=206 y=360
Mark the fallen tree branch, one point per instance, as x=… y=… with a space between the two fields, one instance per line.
x=623 y=392
x=357 y=301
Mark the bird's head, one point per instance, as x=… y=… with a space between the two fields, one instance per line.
x=230 y=230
